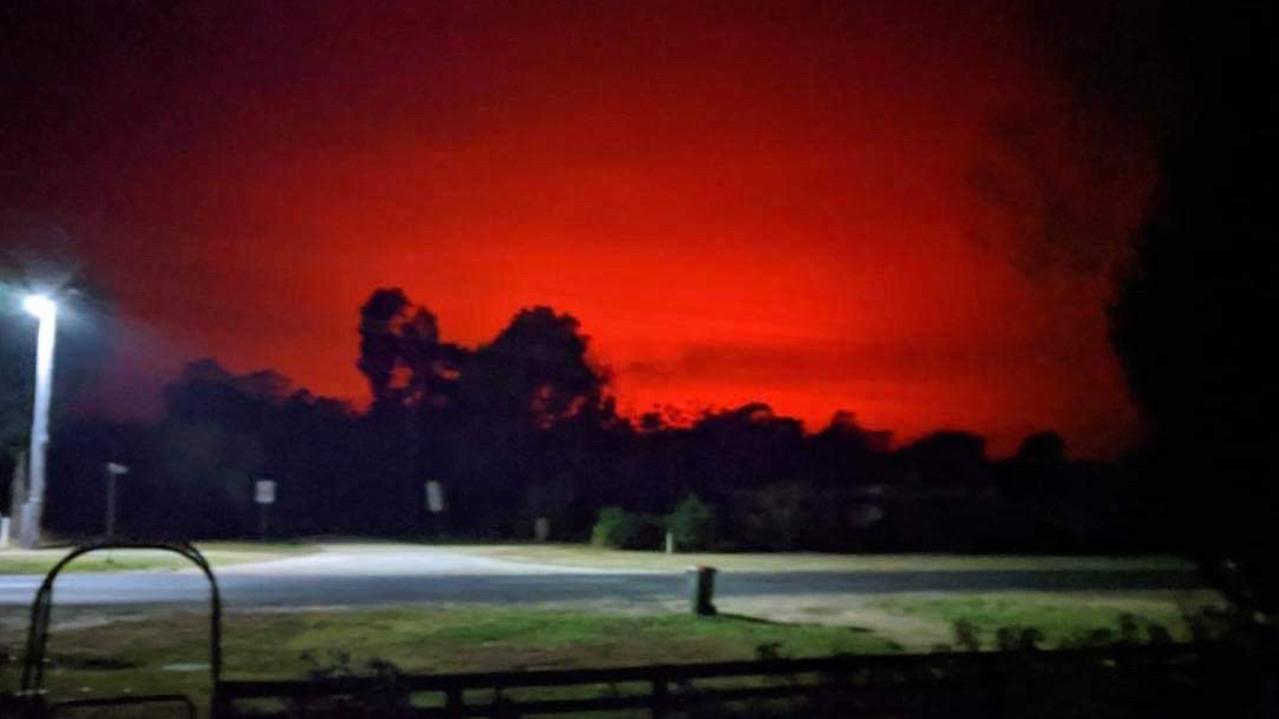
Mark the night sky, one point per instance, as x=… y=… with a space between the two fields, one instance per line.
x=904 y=209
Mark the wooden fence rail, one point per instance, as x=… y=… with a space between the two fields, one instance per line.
x=885 y=680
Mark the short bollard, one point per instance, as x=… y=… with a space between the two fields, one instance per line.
x=702 y=589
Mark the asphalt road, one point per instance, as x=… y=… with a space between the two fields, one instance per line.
x=436 y=575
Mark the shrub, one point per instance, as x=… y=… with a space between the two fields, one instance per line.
x=967 y=635
x=620 y=529
x=782 y=516
x=692 y=524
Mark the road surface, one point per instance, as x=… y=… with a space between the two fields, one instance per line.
x=355 y=577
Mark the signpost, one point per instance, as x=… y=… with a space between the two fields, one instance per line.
x=434 y=497
x=264 y=495
x=114 y=469
x=434 y=506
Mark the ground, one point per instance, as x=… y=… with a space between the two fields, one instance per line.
x=219 y=554
x=587 y=556
x=519 y=607
x=162 y=652
x=134 y=653
x=224 y=554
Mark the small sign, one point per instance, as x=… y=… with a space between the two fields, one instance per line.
x=434 y=497
x=117 y=468
x=264 y=491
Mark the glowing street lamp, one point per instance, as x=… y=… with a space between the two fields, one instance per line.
x=45 y=310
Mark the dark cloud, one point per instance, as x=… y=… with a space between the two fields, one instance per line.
x=1064 y=181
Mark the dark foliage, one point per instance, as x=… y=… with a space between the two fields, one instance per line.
x=620 y=529
x=692 y=525
x=1192 y=322
x=522 y=428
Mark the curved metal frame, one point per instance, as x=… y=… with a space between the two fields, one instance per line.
x=38 y=631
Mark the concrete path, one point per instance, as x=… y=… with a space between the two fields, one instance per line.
x=393 y=560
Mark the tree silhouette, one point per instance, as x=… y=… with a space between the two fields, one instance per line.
x=535 y=371
x=1192 y=322
x=401 y=354
x=1042 y=449
x=381 y=318
x=947 y=457
x=211 y=443
x=523 y=427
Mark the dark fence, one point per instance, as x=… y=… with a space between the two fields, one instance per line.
x=1122 y=681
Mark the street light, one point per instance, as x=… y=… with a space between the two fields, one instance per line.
x=45 y=310
x=39 y=305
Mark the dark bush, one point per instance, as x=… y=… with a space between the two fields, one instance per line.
x=782 y=516
x=620 y=529
x=692 y=524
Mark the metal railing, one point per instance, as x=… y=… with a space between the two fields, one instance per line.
x=32 y=701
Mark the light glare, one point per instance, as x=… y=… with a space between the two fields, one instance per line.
x=39 y=305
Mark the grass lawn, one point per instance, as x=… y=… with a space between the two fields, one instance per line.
x=1059 y=616
x=587 y=556
x=131 y=655
x=219 y=554
x=104 y=652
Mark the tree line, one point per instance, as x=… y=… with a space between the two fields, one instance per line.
x=523 y=427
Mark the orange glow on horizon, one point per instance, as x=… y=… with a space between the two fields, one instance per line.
x=737 y=207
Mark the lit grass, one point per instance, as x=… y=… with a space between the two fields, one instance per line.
x=101 y=653
x=219 y=554
x=129 y=656
x=587 y=556
x=1060 y=617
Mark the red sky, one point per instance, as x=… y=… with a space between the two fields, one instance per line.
x=890 y=207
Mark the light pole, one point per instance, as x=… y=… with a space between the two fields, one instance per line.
x=45 y=310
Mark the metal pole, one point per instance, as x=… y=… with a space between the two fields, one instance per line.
x=110 y=503
x=18 y=496
x=262 y=526
x=33 y=510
